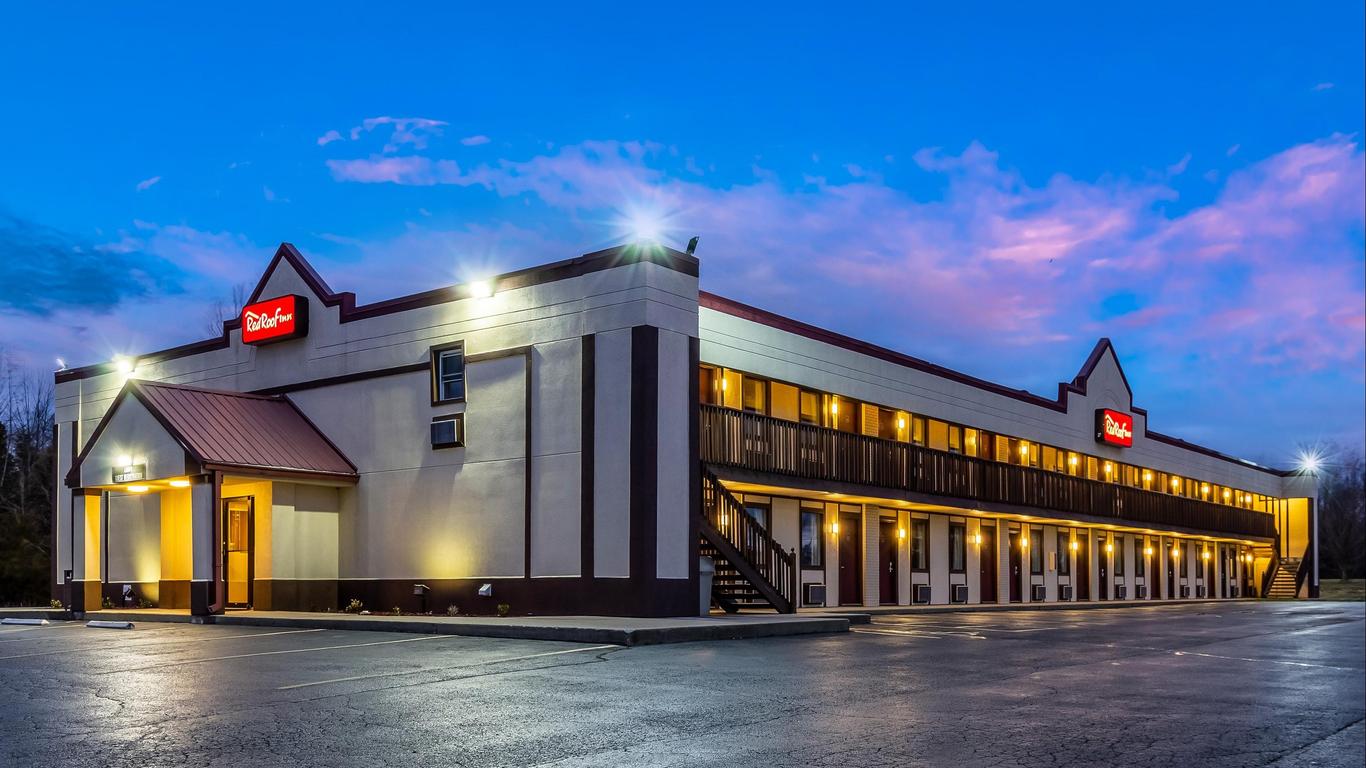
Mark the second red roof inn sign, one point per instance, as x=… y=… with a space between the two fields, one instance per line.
x=574 y=437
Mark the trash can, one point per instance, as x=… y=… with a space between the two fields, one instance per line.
x=706 y=569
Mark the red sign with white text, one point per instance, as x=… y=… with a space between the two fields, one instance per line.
x=1114 y=428
x=277 y=319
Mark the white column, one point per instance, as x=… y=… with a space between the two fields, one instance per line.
x=871 y=570
x=903 y=562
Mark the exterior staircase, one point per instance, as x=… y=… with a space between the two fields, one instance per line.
x=1283 y=583
x=752 y=570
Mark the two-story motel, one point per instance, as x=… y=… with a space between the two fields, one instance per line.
x=571 y=438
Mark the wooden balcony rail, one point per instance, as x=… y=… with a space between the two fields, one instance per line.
x=732 y=438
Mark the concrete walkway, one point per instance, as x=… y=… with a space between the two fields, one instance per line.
x=1073 y=605
x=580 y=629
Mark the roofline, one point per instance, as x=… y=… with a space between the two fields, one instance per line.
x=1077 y=385
x=349 y=311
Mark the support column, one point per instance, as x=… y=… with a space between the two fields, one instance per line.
x=871 y=560
x=206 y=567
x=903 y=559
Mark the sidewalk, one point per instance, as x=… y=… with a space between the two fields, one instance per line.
x=1082 y=605
x=579 y=629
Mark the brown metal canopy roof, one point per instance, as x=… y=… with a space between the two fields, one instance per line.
x=234 y=430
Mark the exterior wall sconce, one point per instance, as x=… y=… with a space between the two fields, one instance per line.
x=835 y=529
x=1072 y=461
x=1227 y=493
x=900 y=423
x=138 y=488
x=1024 y=541
x=1075 y=545
x=180 y=483
x=1148 y=551
x=1176 y=483
x=1109 y=467
x=977 y=539
x=1024 y=450
x=1109 y=548
x=1205 y=554
x=835 y=405
x=1176 y=553
x=901 y=533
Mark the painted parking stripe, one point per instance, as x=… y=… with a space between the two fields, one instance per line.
x=314 y=649
x=114 y=646
x=1266 y=661
x=443 y=669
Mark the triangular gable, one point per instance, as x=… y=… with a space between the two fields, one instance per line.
x=131 y=433
x=1102 y=374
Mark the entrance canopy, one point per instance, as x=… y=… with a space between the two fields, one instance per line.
x=168 y=432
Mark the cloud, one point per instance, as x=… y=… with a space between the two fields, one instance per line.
x=411 y=132
x=1179 y=167
x=474 y=141
x=147 y=184
x=328 y=138
x=1323 y=86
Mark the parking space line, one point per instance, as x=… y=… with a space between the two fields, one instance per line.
x=443 y=669
x=278 y=653
x=1266 y=661
x=115 y=646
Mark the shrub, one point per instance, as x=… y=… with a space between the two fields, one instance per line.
x=355 y=606
x=56 y=604
x=504 y=609
x=452 y=610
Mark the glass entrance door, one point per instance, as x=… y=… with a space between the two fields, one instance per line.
x=238 y=532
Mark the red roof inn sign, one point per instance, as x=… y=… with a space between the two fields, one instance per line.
x=1114 y=428
x=277 y=319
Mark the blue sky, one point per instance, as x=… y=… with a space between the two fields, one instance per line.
x=989 y=186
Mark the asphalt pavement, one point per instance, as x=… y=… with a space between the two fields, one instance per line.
x=1237 y=684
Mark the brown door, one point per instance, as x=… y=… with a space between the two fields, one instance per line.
x=238 y=533
x=1015 y=566
x=1083 y=589
x=851 y=560
x=1171 y=573
x=1102 y=569
x=887 y=540
x=989 y=558
x=1154 y=583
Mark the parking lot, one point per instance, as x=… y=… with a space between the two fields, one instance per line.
x=1237 y=684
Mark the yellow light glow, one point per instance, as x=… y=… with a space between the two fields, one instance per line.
x=1148 y=551
x=900 y=423
x=723 y=384
x=1075 y=545
x=901 y=533
x=180 y=483
x=124 y=364
x=1024 y=449
x=1109 y=548
x=1176 y=482
x=1109 y=468
x=1147 y=475
x=1204 y=488
x=835 y=528
x=138 y=488
x=1227 y=493
x=1176 y=553
x=835 y=405
x=1072 y=460
x=977 y=539
x=1024 y=542
x=1205 y=554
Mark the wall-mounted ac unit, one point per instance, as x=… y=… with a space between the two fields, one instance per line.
x=1233 y=591
x=1065 y=592
x=1121 y=591
x=813 y=594
x=1200 y=590
x=1185 y=591
x=960 y=593
x=1141 y=591
x=1036 y=593
x=920 y=594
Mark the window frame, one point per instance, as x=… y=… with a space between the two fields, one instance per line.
x=819 y=547
x=1119 y=558
x=436 y=353
x=1035 y=551
x=961 y=553
x=920 y=525
x=1064 y=553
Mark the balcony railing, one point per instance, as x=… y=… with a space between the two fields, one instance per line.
x=732 y=438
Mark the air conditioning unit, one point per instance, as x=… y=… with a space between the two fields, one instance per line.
x=1185 y=591
x=1065 y=592
x=1121 y=591
x=813 y=594
x=1141 y=591
x=920 y=593
x=1200 y=590
x=960 y=593
x=1036 y=593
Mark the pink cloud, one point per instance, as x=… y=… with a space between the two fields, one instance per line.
x=474 y=141
x=147 y=184
x=328 y=138
x=405 y=131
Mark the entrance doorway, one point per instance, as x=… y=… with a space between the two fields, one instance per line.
x=851 y=561
x=1154 y=588
x=1015 y=565
x=1103 y=568
x=887 y=546
x=989 y=557
x=239 y=533
x=1083 y=589
x=1171 y=571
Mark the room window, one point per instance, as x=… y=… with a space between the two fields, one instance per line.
x=1035 y=551
x=955 y=439
x=707 y=386
x=810 y=407
x=920 y=540
x=813 y=543
x=918 y=430
x=448 y=431
x=1064 y=553
x=754 y=395
x=448 y=373
x=1140 y=559
x=759 y=513
x=958 y=546
x=1119 y=555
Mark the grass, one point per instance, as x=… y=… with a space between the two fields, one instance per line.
x=1337 y=589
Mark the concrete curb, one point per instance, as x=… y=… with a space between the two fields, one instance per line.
x=717 y=629
x=51 y=614
x=913 y=610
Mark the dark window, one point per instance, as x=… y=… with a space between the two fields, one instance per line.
x=759 y=512
x=1035 y=551
x=448 y=373
x=958 y=548
x=920 y=540
x=1140 y=558
x=1064 y=553
x=448 y=431
x=1185 y=561
x=813 y=539
x=707 y=388
x=1119 y=555
x=886 y=424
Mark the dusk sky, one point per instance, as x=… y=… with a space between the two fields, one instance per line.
x=991 y=188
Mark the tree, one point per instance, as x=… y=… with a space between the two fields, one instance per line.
x=223 y=310
x=1342 y=517
x=27 y=486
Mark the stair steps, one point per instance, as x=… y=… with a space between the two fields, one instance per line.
x=1283 y=583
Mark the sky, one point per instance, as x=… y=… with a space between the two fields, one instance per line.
x=988 y=186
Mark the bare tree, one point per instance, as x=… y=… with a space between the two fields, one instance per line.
x=27 y=485
x=225 y=309
x=1342 y=516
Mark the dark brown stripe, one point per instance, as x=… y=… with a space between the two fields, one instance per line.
x=527 y=474
x=348 y=378
x=587 y=432
x=644 y=487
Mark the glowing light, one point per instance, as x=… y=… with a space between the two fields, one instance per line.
x=480 y=289
x=124 y=365
x=1072 y=460
x=138 y=488
x=1147 y=475
x=1109 y=548
x=1205 y=554
x=1109 y=468
x=835 y=528
x=901 y=533
x=900 y=423
x=1309 y=462
x=1024 y=542
x=125 y=460
x=180 y=483
x=1227 y=493
x=1024 y=449
x=977 y=539
x=835 y=405
x=1076 y=545
x=1148 y=551
x=1176 y=483
x=723 y=384
x=1176 y=553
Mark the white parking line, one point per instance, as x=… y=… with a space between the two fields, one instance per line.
x=442 y=669
x=115 y=646
x=1266 y=661
x=277 y=653
x=919 y=633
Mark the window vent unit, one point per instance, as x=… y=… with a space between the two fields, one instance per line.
x=1185 y=591
x=921 y=593
x=448 y=431
x=1233 y=591
x=960 y=593
x=1036 y=593
x=1121 y=592
x=1200 y=590
x=1141 y=591
x=813 y=594
x=1064 y=591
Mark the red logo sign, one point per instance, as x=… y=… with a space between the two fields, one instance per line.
x=1114 y=428
x=284 y=317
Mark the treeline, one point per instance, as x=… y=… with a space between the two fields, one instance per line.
x=27 y=487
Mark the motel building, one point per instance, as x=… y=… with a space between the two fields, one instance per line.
x=586 y=437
